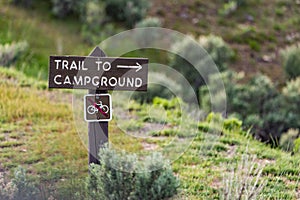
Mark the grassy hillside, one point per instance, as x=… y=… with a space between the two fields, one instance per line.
x=36 y=130
x=38 y=133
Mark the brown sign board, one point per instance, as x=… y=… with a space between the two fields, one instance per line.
x=97 y=107
x=103 y=73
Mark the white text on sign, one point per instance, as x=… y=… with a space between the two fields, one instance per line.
x=98 y=73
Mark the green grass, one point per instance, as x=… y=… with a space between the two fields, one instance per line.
x=40 y=135
x=202 y=166
x=36 y=132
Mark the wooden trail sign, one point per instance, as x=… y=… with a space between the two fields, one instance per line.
x=87 y=72
x=98 y=73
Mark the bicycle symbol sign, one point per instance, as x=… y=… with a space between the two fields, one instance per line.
x=97 y=107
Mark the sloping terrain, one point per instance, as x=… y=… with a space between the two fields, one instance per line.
x=37 y=132
x=257 y=31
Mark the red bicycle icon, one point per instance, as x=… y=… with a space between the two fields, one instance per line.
x=96 y=107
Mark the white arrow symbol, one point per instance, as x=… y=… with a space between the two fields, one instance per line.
x=138 y=67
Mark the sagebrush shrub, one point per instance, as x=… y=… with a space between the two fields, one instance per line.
x=291 y=61
x=291 y=100
x=128 y=11
x=19 y=187
x=292 y=88
x=122 y=176
x=287 y=139
x=230 y=80
x=63 y=8
x=217 y=48
x=9 y=53
x=186 y=53
x=297 y=145
x=94 y=22
x=190 y=59
x=232 y=124
x=147 y=37
x=25 y=189
x=259 y=104
x=149 y=22
x=228 y=8
x=7 y=188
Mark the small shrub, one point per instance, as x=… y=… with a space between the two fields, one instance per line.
x=130 y=12
x=166 y=133
x=214 y=118
x=231 y=6
x=189 y=58
x=25 y=189
x=215 y=121
x=122 y=176
x=287 y=139
x=229 y=80
x=216 y=47
x=259 y=104
x=186 y=53
x=292 y=88
x=254 y=45
x=232 y=124
x=147 y=37
x=7 y=188
x=94 y=22
x=63 y=8
x=291 y=61
x=149 y=22
x=9 y=53
x=167 y=104
x=157 y=180
x=297 y=146
x=256 y=102
x=228 y=8
x=255 y=121
x=291 y=100
x=19 y=187
x=204 y=126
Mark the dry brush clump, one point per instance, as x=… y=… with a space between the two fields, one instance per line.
x=244 y=182
x=7 y=188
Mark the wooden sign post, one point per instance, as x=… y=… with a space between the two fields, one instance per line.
x=98 y=73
